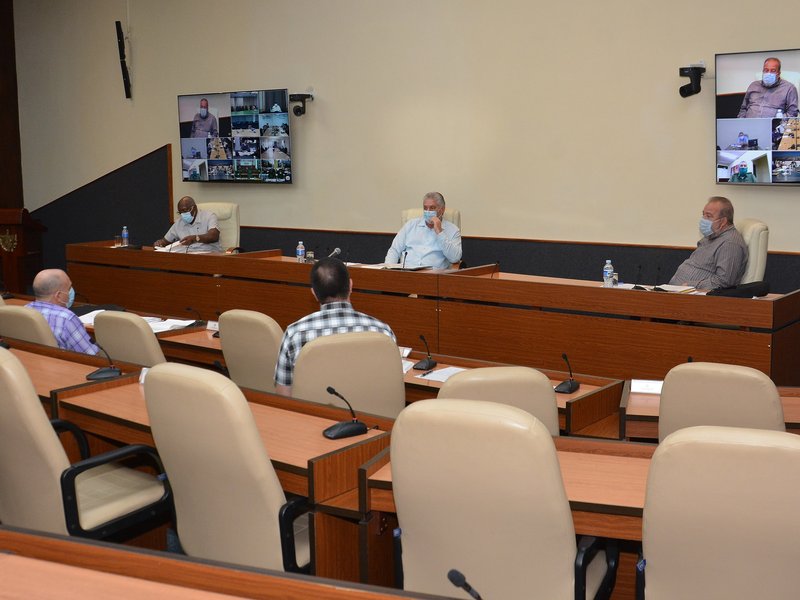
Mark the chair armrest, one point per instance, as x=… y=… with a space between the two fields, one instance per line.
x=588 y=547
x=289 y=512
x=80 y=437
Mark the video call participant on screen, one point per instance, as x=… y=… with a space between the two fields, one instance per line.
x=54 y=297
x=204 y=123
x=743 y=175
x=428 y=240
x=331 y=286
x=197 y=229
x=721 y=256
x=769 y=94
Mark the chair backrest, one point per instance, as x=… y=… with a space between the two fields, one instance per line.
x=450 y=214
x=477 y=485
x=364 y=367
x=756 y=236
x=250 y=343
x=715 y=394
x=227 y=495
x=228 y=221
x=720 y=514
x=27 y=324
x=522 y=387
x=31 y=456
x=127 y=337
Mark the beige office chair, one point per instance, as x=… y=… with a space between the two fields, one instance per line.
x=450 y=214
x=228 y=221
x=250 y=342
x=477 y=486
x=40 y=490
x=27 y=324
x=701 y=393
x=365 y=368
x=229 y=505
x=720 y=515
x=522 y=387
x=128 y=338
x=756 y=236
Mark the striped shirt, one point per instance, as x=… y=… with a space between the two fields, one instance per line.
x=333 y=317
x=67 y=327
x=719 y=261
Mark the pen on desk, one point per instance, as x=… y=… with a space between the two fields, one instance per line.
x=427 y=373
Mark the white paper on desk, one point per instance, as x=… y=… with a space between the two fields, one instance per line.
x=173 y=247
x=646 y=386
x=169 y=324
x=212 y=325
x=378 y=266
x=404 y=351
x=152 y=319
x=407 y=364
x=88 y=318
x=676 y=289
x=441 y=375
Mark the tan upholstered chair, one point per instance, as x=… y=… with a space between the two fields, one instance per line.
x=715 y=394
x=756 y=236
x=522 y=387
x=250 y=342
x=228 y=221
x=26 y=324
x=450 y=214
x=128 y=338
x=478 y=487
x=720 y=515
x=229 y=504
x=365 y=368
x=40 y=490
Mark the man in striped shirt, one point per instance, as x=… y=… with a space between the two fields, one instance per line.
x=54 y=297
x=331 y=286
x=721 y=256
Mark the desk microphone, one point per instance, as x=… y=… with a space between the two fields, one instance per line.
x=344 y=429
x=636 y=285
x=426 y=364
x=403 y=266
x=336 y=252
x=570 y=385
x=457 y=578
x=199 y=321
x=108 y=372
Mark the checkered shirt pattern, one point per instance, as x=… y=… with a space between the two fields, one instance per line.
x=67 y=327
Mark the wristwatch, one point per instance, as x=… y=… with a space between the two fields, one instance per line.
x=197 y=239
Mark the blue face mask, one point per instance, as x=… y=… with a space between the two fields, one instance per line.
x=70 y=297
x=705 y=227
x=769 y=79
x=743 y=170
x=428 y=214
x=187 y=217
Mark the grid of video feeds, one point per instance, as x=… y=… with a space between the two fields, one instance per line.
x=757 y=117
x=239 y=137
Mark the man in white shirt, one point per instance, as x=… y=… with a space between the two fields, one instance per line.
x=427 y=241
x=196 y=229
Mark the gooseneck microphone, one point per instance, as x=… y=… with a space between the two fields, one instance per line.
x=426 y=364
x=570 y=385
x=199 y=321
x=108 y=372
x=457 y=578
x=636 y=285
x=336 y=252
x=403 y=266
x=344 y=429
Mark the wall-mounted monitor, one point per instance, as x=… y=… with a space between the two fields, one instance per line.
x=236 y=137
x=757 y=117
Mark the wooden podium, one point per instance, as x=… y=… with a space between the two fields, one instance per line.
x=20 y=247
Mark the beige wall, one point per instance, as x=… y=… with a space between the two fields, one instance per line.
x=557 y=120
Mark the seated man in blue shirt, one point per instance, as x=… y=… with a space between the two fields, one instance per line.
x=54 y=297
x=427 y=241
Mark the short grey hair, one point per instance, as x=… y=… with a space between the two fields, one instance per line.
x=436 y=196
x=725 y=207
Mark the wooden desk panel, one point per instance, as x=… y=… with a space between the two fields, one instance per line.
x=49 y=373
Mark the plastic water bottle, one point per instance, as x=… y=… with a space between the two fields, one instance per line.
x=300 y=252
x=125 y=235
x=608 y=274
x=779 y=114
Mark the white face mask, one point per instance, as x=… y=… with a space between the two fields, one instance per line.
x=769 y=79
x=204 y=112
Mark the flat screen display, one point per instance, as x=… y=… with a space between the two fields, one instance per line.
x=236 y=137
x=757 y=117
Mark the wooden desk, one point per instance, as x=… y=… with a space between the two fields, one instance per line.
x=306 y=462
x=638 y=414
x=43 y=566
x=479 y=312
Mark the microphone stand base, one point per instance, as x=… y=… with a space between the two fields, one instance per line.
x=569 y=386
x=426 y=364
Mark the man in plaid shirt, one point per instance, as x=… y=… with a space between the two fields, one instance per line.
x=54 y=297
x=331 y=286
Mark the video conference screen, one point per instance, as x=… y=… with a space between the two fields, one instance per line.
x=757 y=117
x=236 y=137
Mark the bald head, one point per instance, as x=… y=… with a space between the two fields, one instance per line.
x=185 y=204
x=48 y=283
